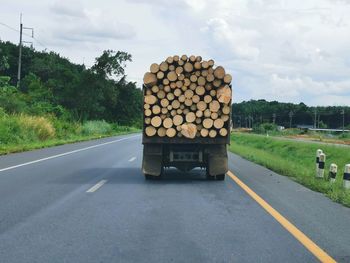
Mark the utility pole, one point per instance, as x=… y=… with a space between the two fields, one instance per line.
x=21 y=27
x=290 y=119
x=343 y=113
x=315 y=118
x=274 y=118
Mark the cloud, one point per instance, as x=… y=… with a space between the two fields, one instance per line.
x=67 y=8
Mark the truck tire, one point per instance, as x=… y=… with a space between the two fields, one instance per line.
x=152 y=177
x=220 y=177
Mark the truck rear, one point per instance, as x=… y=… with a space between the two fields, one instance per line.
x=187 y=108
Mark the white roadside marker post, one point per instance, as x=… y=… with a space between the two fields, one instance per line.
x=333 y=169
x=318 y=152
x=321 y=164
x=346 y=178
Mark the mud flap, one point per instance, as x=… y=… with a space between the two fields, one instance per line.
x=217 y=160
x=152 y=159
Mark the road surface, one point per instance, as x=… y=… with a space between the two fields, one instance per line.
x=89 y=202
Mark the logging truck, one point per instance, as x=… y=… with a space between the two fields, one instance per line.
x=186 y=117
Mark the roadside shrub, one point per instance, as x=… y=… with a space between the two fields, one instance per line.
x=265 y=127
x=96 y=127
x=2 y=113
x=10 y=130
x=39 y=127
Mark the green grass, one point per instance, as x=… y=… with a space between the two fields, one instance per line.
x=296 y=160
x=22 y=132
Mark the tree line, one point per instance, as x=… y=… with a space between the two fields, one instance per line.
x=256 y=112
x=51 y=84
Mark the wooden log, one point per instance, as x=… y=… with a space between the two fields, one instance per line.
x=211 y=62
x=193 y=86
x=177 y=92
x=188 y=102
x=227 y=78
x=181 y=62
x=197 y=65
x=198 y=120
x=178 y=128
x=161 y=132
x=223 y=132
x=179 y=111
x=193 y=78
x=201 y=105
x=188 y=67
x=218 y=123
x=170 y=60
x=146 y=106
x=164 y=110
x=172 y=76
x=173 y=113
x=149 y=79
x=189 y=130
x=164 y=116
x=207 y=113
x=176 y=58
x=187 y=82
x=184 y=88
x=147 y=120
x=173 y=85
x=161 y=94
x=208 y=99
x=226 y=109
x=170 y=96
x=172 y=67
x=154 y=68
x=217 y=83
x=148 y=92
x=150 y=99
x=164 y=102
x=199 y=114
x=208 y=86
x=175 y=104
x=212 y=133
x=210 y=77
x=182 y=98
x=179 y=84
x=195 y=98
x=167 y=88
x=167 y=123
x=150 y=131
x=169 y=107
x=193 y=107
x=198 y=58
x=179 y=70
x=205 y=64
x=204 y=73
x=190 y=117
x=165 y=82
x=207 y=123
x=214 y=115
x=181 y=77
x=184 y=58
x=177 y=120
x=155 y=109
x=200 y=90
x=204 y=132
x=164 y=66
x=223 y=94
x=213 y=93
x=155 y=89
x=214 y=106
x=156 y=121
x=219 y=72
x=171 y=132
x=189 y=94
x=198 y=73
x=225 y=117
x=185 y=111
x=192 y=58
x=160 y=75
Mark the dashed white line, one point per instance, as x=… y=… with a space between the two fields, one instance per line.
x=132 y=159
x=66 y=153
x=96 y=186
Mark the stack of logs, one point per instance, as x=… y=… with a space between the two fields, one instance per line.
x=186 y=97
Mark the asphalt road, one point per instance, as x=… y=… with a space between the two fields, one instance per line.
x=92 y=204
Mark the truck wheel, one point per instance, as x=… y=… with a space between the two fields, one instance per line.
x=220 y=177
x=152 y=177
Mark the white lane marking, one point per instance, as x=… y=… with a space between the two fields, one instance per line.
x=96 y=186
x=64 y=154
x=132 y=159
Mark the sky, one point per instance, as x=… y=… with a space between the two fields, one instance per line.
x=289 y=51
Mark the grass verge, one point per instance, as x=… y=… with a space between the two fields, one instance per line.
x=22 y=133
x=296 y=160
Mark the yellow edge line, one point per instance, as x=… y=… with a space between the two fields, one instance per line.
x=303 y=239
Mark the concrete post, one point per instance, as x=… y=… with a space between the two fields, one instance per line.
x=333 y=172
x=346 y=178
x=321 y=164
x=318 y=152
